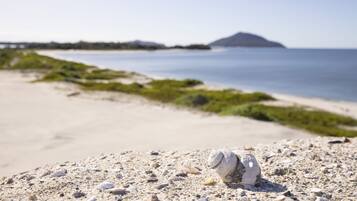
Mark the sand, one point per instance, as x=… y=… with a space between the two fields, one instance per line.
x=40 y=124
x=305 y=170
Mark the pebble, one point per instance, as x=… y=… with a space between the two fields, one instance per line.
x=181 y=174
x=280 y=171
x=321 y=199
x=32 y=197
x=132 y=189
x=154 y=153
x=118 y=191
x=203 y=199
x=316 y=191
x=161 y=186
x=59 y=173
x=78 y=194
x=105 y=185
x=93 y=198
x=152 y=180
x=9 y=181
x=154 y=198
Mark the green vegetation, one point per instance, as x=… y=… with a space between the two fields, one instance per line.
x=5 y=57
x=322 y=122
x=181 y=92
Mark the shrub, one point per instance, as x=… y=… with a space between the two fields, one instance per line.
x=192 y=100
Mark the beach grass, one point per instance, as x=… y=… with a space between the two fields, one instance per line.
x=183 y=93
x=315 y=121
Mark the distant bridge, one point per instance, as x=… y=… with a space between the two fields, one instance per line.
x=12 y=45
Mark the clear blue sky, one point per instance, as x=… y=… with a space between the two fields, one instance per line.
x=296 y=23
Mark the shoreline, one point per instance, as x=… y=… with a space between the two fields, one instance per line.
x=348 y=108
x=213 y=85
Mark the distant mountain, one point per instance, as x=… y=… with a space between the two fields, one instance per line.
x=242 y=39
x=146 y=44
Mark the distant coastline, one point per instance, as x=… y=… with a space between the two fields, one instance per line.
x=83 y=45
x=240 y=39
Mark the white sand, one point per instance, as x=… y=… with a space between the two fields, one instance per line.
x=39 y=124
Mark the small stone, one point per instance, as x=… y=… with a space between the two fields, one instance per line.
x=119 y=176
x=59 y=173
x=321 y=199
x=78 y=194
x=73 y=94
x=155 y=165
x=343 y=140
x=243 y=193
x=118 y=191
x=154 y=198
x=105 y=185
x=148 y=172
x=203 y=199
x=316 y=191
x=32 y=198
x=161 y=186
x=93 y=198
x=154 y=153
x=181 y=174
x=280 y=171
x=176 y=179
x=152 y=180
x=9 y=181
x=132 y=189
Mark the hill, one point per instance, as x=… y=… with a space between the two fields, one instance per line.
x=242 y=39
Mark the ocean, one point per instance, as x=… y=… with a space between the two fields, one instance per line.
x=320 y=73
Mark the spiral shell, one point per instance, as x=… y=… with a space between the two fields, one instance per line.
x=243 y=168
x=224 y=162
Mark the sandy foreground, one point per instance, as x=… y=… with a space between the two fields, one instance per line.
x=314 y=169
x=40 y=124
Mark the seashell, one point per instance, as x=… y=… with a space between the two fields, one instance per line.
x=232 y=168
x=252 y=171
x=224 y=162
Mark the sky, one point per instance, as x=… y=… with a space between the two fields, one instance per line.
x=295 y=23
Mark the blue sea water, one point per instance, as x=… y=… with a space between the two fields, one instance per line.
x=321 y=73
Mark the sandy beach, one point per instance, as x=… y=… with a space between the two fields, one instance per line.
x=41 y=124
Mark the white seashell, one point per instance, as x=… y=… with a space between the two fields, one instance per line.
x=105 y=185
x=224 y=162
x=231 y=167
x=252 y=171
